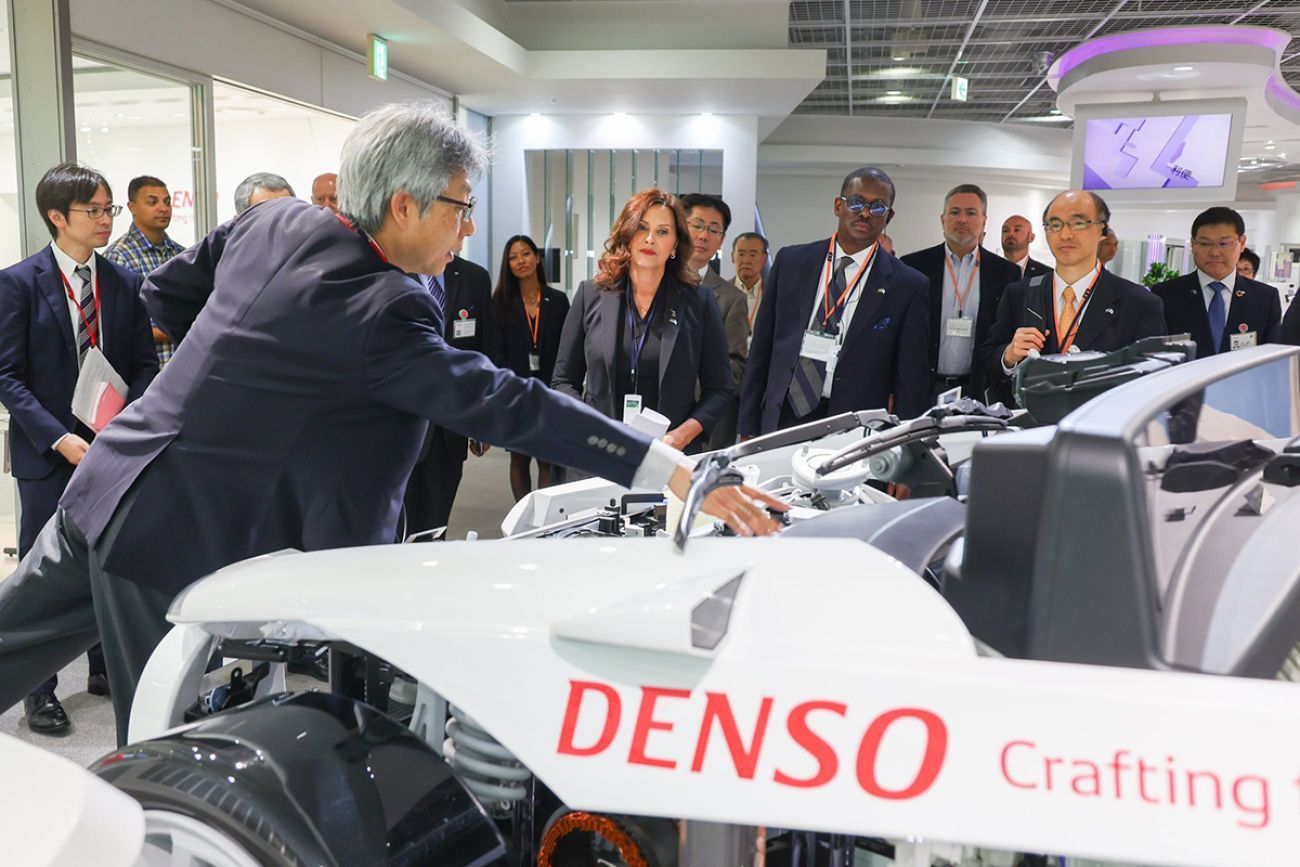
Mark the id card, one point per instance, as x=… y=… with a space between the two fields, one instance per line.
x=631 y=406
x=961 y=326
x=818 y=346
x=534 y=362
x=1243 y=341
x=464 y=328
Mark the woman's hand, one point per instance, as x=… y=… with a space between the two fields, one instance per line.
x=740 y=507
x=684 y=434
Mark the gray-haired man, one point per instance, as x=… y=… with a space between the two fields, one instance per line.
x=260 y=187
x=309 y=360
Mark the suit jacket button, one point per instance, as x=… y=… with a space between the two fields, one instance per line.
x=622 y=450
x=611 y=448
x=591 y=440
x=600 y=443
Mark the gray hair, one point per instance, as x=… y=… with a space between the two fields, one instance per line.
x=268 y=181
x=415 y=148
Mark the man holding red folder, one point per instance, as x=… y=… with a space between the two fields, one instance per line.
x=59 y=308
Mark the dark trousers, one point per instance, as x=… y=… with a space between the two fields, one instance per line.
x=60 y=601
x=431 y=490
x=39 y=498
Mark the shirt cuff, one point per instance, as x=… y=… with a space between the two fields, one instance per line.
x=660 y=461
x=1007 y=370
x=55 y=447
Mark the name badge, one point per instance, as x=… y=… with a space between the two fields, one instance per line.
x=464 y=328
x=818 y=346
x=534 y=362
x=1243 y=341
x=631 y=406
x=961 y=326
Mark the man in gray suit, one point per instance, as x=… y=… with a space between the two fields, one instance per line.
x=708 y=218
x=309 y=363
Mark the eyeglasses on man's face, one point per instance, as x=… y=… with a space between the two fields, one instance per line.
x=1205 y=245
x=1080 y=225
x=701 y=226
x=95 y=211
x=466 y=208
x=857 y=204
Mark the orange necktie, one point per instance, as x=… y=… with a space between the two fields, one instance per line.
x=1065 y=318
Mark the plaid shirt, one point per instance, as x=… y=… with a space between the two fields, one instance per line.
x=134 y=252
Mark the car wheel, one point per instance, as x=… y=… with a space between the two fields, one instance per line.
x=178 y=840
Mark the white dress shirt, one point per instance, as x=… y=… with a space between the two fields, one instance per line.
x=752 y=296
x=1207 y=294
x=1059 y=286
x=68 y=266
x=955 y=352
x=851 y=303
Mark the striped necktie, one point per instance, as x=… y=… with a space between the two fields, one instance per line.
x=434 y=284
x=88 y=321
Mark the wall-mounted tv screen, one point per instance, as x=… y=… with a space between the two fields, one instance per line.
x=1181 y=150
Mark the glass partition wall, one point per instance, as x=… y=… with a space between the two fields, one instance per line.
x=574 y=196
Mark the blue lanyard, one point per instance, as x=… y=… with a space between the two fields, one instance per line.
x=638 y=346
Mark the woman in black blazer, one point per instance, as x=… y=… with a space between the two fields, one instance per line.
x=644 y=332
x=525 y=336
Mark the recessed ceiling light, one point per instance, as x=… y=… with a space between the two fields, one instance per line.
x=1055 y=111
x=1269 y=147
x=85 y=129
x=706 y=114
x=893 y=92
x=899 y=58
x=535 y=114
x=1184 y=68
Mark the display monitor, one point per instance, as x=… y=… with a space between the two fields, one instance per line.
x=1155 y=152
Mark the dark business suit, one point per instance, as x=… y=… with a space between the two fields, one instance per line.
x=885 y=352
x=1119 y=313
x=511 y=341
x=306 y=371
x=735 y=319
x=693 y=354
x=996 y=274
x=39 y=368
x=431 y=491
x=1253 y=306
x=1033 y=268
x=1290 y=330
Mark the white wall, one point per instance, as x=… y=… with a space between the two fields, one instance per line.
x=298 y=148
x=735 y=135
x=211 y=39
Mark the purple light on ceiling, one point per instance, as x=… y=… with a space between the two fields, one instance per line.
x=1280 y=90
x=1165 y=36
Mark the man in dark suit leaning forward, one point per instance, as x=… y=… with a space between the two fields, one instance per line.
x=1220 y=308
x=45 y=338
x=843 y=325
x=966 y=283
x=1080 y=304
x=309 y=363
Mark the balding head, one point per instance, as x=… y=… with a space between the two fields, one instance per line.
x=1017 y=235
x=324 y=191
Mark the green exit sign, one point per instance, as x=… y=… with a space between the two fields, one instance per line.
x=960 y=88
x=378 y=57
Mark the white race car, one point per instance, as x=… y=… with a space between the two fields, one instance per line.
x=1093 y=677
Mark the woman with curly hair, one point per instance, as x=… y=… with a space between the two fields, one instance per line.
x=644 y=334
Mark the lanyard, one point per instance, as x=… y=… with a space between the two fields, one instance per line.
x=369 y=240
x=534 y=321
x=758 y=298
x=1066 y=339
x=970 y=281
x=828 y=310
x=92 y=333
x=637 y=346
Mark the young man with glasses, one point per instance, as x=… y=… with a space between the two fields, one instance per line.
x=707 y=219
x=843 y=325
x=1080 y=305
x=56 y=307
x=1220 y=308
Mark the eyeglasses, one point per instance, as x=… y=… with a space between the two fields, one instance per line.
x=1055 y=226
x=1224 y=244
x=95 y=211
x=466 y=208
x=701 y=226
x=857 y=205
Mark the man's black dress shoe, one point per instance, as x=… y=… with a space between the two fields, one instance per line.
x=45 y=715
x=97 y=684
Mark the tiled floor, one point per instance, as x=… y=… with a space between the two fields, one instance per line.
x=482 y=502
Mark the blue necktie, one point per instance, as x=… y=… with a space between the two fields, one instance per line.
x=434 y=284
x=1218 y=316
